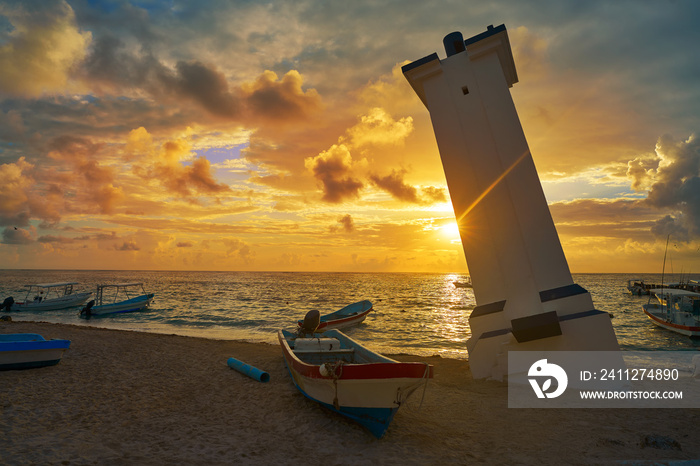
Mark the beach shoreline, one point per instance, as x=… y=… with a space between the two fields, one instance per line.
x=127 y=397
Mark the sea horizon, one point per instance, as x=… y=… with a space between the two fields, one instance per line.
x=315 y=271
x=420 y=313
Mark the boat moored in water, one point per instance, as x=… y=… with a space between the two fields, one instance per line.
x=344 y=376
x=48 y=297
x=637 y=287
x=351 y=314
x=463 y=284
x=118 y=298
x=676 y=310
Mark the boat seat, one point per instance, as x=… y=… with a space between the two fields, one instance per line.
x=332 y=351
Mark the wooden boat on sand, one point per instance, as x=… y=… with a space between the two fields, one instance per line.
x=28 y=350
x=344 y=376
x=351 y=314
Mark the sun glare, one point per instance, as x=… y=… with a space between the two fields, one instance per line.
x=450 y=230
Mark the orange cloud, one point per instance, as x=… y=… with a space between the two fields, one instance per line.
x=333 y=168
x=128 y=246
x=14 y=196
x=164 y=165
x=641 y=171
x=41 y=50
x=90 y=181
x=378 y=128
x=272 y=100
x=391 y=91
x=24 y=197
x=234 y=248
x=395 y=185
x=346 y=223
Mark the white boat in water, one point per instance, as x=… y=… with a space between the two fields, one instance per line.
x=637 y=287
x=463 y=284
x=676 y=310
x=47 y=297
x=118 y=298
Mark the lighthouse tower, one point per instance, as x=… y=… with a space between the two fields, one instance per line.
x=526 y=298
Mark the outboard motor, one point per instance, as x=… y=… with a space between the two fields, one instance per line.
x=7 y=304
x=87 y=310
x=312 y=319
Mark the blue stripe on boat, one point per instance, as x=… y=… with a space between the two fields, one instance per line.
x=34 y=345
x=376 y=420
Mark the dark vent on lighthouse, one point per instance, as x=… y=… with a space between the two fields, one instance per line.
x=454 y=43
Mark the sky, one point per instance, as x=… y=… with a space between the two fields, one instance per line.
x=282 y=136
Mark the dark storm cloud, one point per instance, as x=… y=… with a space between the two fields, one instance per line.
x=11 y=235
x=208 y=87
x=395 y=185
x=115 y=67
x=677 y=187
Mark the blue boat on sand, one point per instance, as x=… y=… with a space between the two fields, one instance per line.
x=29 y=350
x=351 y=314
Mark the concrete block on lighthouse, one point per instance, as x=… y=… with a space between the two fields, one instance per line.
x=526 y=297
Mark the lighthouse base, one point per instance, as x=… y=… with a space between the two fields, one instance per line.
x=585 y=331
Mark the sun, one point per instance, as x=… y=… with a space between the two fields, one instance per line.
x=450 y=230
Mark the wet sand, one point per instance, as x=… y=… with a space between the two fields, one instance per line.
x=121 y=397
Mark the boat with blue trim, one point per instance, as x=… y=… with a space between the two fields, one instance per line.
x=118 y=298
x=344 y=376
x=351 y=314
x=30 y=350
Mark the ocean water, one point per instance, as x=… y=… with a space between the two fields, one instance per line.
x=422 y=314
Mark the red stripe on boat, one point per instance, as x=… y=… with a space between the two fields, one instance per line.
x=670 y=324
x=378 y=370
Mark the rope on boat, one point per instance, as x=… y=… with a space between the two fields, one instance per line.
x=336 y=372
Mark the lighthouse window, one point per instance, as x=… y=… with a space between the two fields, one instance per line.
x=465 y=91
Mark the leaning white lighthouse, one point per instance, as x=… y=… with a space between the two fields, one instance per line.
x=526 y=297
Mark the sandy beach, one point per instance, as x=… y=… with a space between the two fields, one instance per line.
x=121 y=397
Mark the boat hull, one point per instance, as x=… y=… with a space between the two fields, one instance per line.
x=656 y=314
x=54 y=304
x=376 y=420
x=29 y=350
x=138 y=303
x=368 y=393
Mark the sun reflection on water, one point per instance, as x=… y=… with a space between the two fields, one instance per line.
x=423 y=314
